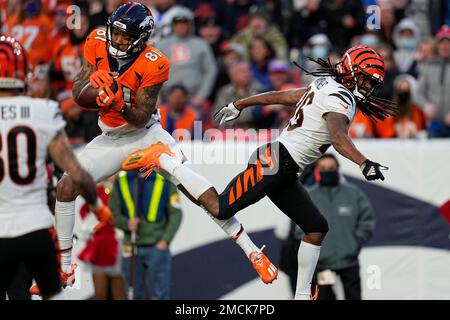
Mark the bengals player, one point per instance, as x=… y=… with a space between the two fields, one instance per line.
x=26 y=224
x=128 y=118
x=324 y=111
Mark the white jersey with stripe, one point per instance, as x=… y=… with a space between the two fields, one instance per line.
x=307 y=137
x=27 y=126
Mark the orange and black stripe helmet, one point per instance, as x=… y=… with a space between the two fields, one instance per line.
x=361 y=60
x=13 y=64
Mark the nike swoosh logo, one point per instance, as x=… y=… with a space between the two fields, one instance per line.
x=161 y=66
x=344 y=106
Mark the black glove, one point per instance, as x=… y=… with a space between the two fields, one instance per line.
x=372 y=170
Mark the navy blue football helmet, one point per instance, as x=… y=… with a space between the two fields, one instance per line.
x=135 y=20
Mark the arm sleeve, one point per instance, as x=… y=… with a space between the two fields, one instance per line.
x=366 y=219
x=173 y=213
x=209 y=68
x=116 y=209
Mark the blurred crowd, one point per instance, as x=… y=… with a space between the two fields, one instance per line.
x=223 y=50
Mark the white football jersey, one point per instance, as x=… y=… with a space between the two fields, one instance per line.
x=306 y=137
x=27 y=126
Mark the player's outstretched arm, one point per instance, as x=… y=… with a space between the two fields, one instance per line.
x=338 y=127
x=145 y=100
x=82 y=79
x=233 y=109
x=62 y=154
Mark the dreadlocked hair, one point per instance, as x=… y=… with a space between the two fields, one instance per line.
x=373 y=107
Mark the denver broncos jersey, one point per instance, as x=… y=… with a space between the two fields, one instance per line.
x=307 y=137
x=151 y=67
x=27 y=126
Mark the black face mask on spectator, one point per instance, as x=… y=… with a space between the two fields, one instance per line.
x=404 y=97
x=329 y=178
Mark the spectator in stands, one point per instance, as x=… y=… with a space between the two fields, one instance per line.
x=100 y=11
x=305 y=21
x=231 y=53
x=273 y=116
x=260 y=55
x=429 y=15
x=344 y=19
x=406 y=39
x=241 y=86
x=190 y=56
x=234 y=15
x=210 y=31
x=390 y=71
x=352 y=221
x=371 y=39
x=177 y=114
x=260 y=26
x=163 y=12
x=361 y=126
x=101 y=253
x=67 y=52
x=32 y=28
x=435 y=84
x=318 y=46
x=149 y=212
x=426 y=53
x=410 y=121
x=387 y=21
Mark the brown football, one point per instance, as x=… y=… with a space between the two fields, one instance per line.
x=88 y=95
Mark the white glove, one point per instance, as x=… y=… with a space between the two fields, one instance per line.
x=227 y=113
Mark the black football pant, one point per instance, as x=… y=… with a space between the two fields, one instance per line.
x=272 y=172
x=38 y=251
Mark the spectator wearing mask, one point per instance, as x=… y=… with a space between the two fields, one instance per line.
x=177 y=114
x=352 y=221
x=241 y=86
x=410 y=121
x=318 y=46
x=259 y=25
x=149 y=212
x=371 y=39
x=433 y=85
x=190 y=56
x=406 y=39
x=260 y=55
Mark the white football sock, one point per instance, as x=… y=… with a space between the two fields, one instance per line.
x=194 y=183
x=65 y=222
x=308 y=255
x=236 y=231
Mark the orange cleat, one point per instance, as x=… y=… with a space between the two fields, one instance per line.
x=67 y=280
x=266 y=270
x=146 y=159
